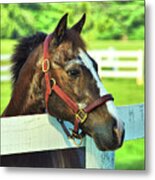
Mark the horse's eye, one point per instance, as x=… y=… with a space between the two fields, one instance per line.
x=73 y=72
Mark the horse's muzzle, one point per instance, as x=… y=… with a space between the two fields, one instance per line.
x=109 y=138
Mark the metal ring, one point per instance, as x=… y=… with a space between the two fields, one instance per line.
x=45 y=61
x=54 y=81
x=77 y=144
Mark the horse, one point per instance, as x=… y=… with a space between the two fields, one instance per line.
x=55 y=74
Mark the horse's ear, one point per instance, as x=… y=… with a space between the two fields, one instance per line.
x=60 y=29
x=79 y=25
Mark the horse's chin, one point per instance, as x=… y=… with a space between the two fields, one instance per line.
x=106 y=148
x=102 y=146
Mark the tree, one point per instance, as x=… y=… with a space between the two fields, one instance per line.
x=105 y=20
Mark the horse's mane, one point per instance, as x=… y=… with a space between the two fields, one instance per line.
x=22 y=50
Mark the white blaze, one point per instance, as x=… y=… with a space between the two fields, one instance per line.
x=110 y=105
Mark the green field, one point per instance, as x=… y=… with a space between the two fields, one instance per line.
x=131 y=155
x=7 y=46
x=119 y=45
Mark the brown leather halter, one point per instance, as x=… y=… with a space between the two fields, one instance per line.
x=80 y=114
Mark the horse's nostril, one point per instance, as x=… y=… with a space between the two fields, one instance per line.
x=119 y=133
x=118 y=130
x=118 y=125
x=114 y=125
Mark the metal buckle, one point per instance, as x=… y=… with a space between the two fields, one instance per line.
x=45 y=65
x=81 y=115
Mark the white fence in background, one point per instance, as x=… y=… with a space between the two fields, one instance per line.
x=5 y=69
x=119 y=64
x=35 y=133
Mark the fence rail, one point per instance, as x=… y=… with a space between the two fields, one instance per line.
x=36 y=133
x=121 y=64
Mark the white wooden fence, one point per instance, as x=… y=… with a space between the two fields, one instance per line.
x=120 y=64
x=37 y=133
x=5 y=69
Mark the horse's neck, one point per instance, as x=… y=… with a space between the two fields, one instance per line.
x=27 y=97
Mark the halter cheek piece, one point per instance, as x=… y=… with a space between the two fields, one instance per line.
x=80 y=114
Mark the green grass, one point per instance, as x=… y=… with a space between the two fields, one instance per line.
x=7 y=46
x=125 y=91
x=131 y=155
x=119 y=45
x=5 y=95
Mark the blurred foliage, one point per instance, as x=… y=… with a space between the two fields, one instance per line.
x=105 y=20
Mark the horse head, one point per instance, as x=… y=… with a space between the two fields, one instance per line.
x=76 y=75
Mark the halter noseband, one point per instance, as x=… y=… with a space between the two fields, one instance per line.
x=80 y=114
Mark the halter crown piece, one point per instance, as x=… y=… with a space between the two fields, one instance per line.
x=80 y=114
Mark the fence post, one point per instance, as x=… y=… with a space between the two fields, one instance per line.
x=112 y=58
x=140 y=68
x=96 y=159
